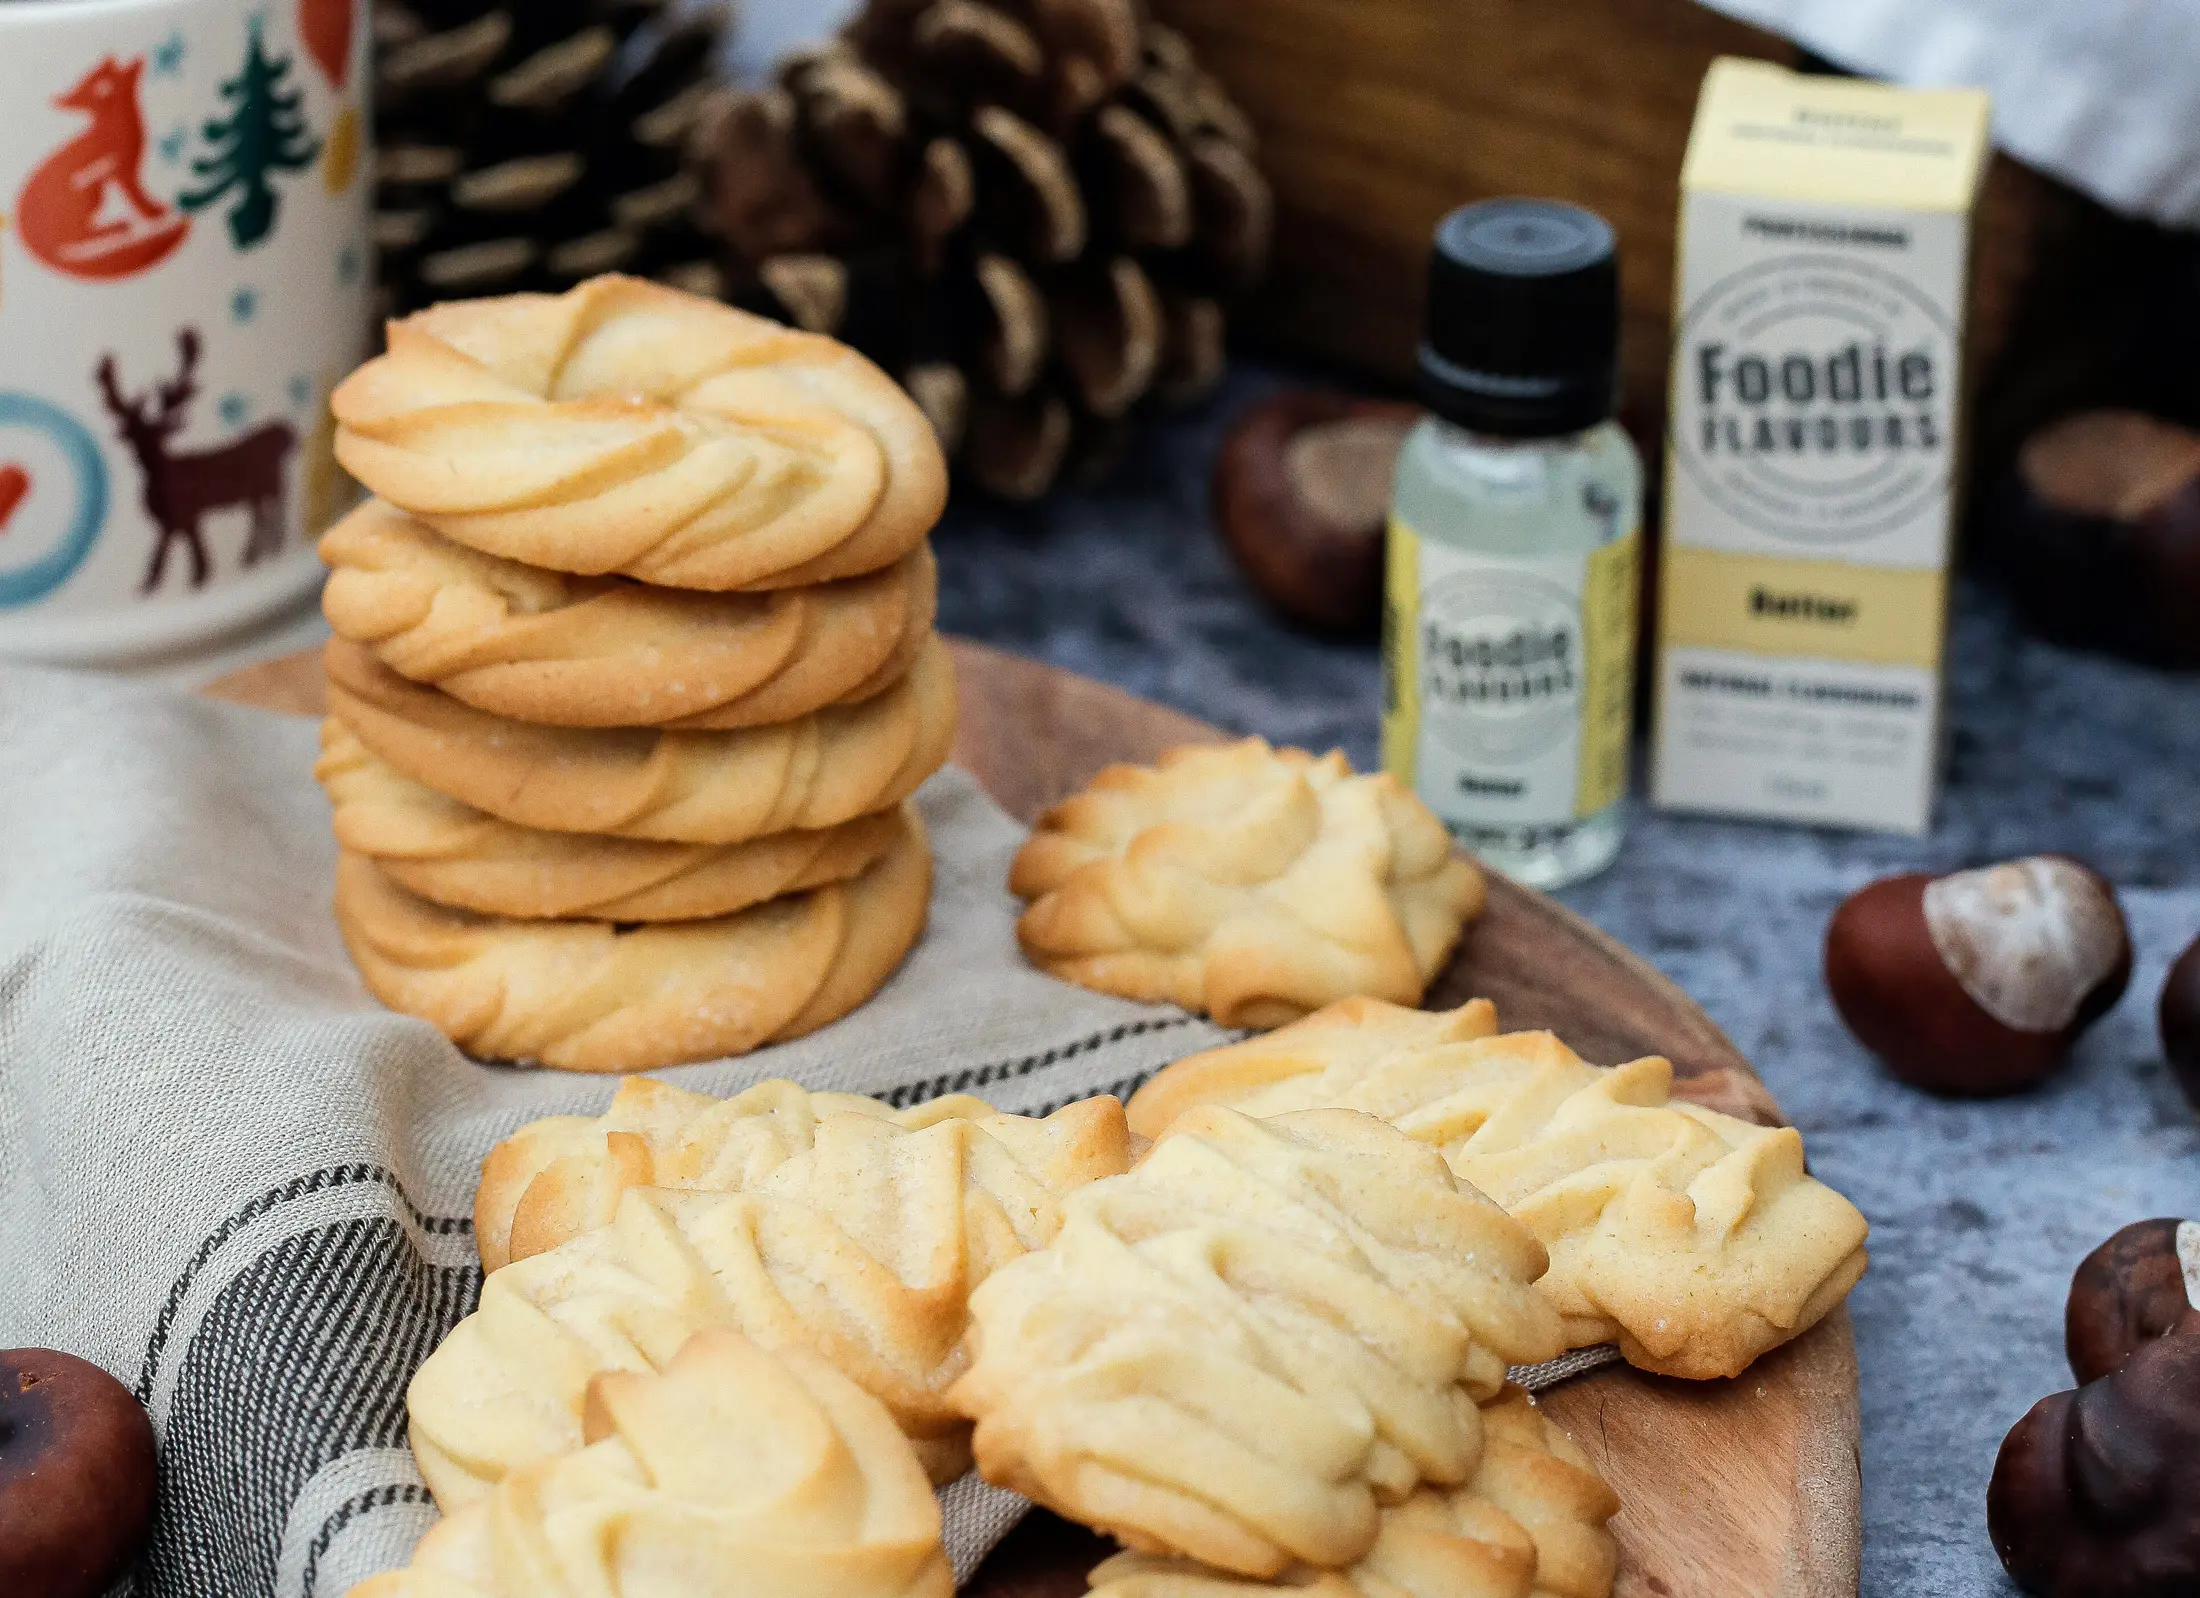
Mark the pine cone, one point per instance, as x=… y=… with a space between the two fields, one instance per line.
x=534 y=143
x=1032 y=211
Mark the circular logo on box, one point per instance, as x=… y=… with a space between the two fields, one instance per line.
x=1815 y=398
x=1500 y=665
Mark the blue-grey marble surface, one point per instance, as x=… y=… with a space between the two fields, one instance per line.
x=1979 y=1211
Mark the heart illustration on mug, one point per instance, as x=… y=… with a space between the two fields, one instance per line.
x=15 y=483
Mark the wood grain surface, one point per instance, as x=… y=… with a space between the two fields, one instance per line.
x=1733 y=1489
x=1377 y=117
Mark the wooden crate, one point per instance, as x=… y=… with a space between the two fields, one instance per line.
x=1378 y=116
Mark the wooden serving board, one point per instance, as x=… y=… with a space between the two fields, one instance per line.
x=1733 y=1489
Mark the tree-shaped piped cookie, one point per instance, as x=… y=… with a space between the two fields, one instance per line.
x=1242 y=1349
x=1530 y=1523
x=561 y=1176
x=1694 y=1240
x=862 y=1248
x=734 y=1473
x=1251 y=883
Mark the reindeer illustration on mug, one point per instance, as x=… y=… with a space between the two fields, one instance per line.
x=182 y=487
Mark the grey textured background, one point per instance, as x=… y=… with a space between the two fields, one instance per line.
x=1979 y=1212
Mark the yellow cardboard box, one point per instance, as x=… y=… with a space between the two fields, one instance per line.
x=1814 y=450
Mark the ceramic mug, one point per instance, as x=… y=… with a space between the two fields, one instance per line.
x=184 y=275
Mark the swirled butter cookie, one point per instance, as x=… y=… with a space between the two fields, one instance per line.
x=627 y=427
x=862 y=1248
x=1239 y=1351
x=1695 y=1240
x=733 y=1473
x=602 y=996
x=567 y=651
x=1252 y=883
x=675 y=787
x=561 y=1176
x=441 y=849
x=1530 y=1523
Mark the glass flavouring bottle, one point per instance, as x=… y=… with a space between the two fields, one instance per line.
x=1510 y=596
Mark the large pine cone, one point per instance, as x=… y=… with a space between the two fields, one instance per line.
x=1033 y=212
x=532 y=145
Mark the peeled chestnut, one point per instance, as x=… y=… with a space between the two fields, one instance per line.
x=1302 y=496
x=2179 y=1014
x=76 y=1475
x=2096 y=1493
x=1978 y=982
x=2141 y=1284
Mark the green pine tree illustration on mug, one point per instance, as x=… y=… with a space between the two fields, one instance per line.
x=265 y=133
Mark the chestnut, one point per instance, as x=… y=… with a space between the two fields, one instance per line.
x=2096 y=1493
x=2179 y=1015
x=1302 y=497
x=76 y=1475
x=2098 y=534
x=2141 y=1284
x=1978 y=982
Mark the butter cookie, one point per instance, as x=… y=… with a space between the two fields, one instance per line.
x=1695 y=1240
x=862 y=1248
x=627 y=427
x=1254 y=884
x=443 y=850
x=675 y=787
x=733 y=1473
x=567 y=651
x=604 y=996
x=561 y=1176
x=1530 y=1523
x=1244 y=1347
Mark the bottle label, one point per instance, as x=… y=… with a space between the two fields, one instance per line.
x=1508 y=681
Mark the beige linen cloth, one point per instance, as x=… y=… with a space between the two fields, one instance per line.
x=235 y=1181
x=239 y=1184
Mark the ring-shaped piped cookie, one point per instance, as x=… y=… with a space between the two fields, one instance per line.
x=442 y=849
x=569 y=651
x=602 y=996
x=676 y=787
x=627 y=427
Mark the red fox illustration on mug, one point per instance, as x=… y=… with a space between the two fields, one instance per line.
x=85 y=210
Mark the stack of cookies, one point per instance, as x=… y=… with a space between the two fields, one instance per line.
x=633 y=676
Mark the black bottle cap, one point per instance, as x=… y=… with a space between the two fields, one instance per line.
x=1523 y=319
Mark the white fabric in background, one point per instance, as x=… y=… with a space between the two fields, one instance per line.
x=2105 y=94
x=768 y=29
